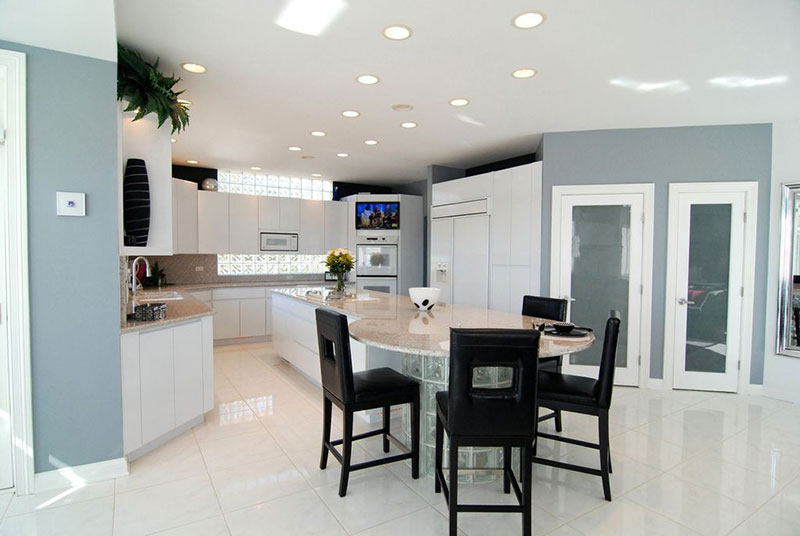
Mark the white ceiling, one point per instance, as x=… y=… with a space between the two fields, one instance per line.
x=267 y=88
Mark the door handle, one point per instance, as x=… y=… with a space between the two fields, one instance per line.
x=684 y=301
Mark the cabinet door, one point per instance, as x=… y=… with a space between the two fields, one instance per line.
x=212 y=222
x=131 y=394
x=157 y=383
x=226 y=319
x=184 y=216
x=243 y=223
x=252 y=317
x=188 y=361
x=471 y=261
x=268 y=323
x=312 y=227
x=521 y=215
x=207 y=323
x=289 y=214
x=501 y=216
x=441 y=275
x=269 y=213
x=335 y=231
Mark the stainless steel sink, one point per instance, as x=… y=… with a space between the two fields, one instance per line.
x=152 y=297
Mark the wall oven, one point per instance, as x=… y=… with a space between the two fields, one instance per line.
x=379 y=284
x=376 y=260
x=278 y=242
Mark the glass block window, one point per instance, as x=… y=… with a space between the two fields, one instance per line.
x=244 y=182
x=270 y=264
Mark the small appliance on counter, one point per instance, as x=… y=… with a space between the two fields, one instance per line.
x=150 y=312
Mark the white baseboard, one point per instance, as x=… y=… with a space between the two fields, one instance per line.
x=655 y=383
x=754 y=390
x=68 y=477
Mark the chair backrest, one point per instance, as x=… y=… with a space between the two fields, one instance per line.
x=605 y=379
x=478 y=410
x=542 y=307
x=335 y=362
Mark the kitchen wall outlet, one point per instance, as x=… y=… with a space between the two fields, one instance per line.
x=70 y=204
x=198 y=268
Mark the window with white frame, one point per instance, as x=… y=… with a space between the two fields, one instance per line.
x=276 y=186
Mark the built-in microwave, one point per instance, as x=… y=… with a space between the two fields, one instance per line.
x=278 y=242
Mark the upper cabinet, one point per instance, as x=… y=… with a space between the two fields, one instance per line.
x=212 y=222
x=184 y=216
x=290 y=214
x=269 y=213
x=335 y=225
x=243 y=223
x=312 y=227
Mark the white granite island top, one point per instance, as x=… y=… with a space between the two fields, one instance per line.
x=393 y=323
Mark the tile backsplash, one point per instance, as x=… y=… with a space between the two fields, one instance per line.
x=182 y=270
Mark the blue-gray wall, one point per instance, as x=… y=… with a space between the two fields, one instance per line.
x=74 y=262
x=662 y=156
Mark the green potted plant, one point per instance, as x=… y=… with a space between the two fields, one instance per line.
x=147 y=90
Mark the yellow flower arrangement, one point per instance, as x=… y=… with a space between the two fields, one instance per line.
x=339 y=262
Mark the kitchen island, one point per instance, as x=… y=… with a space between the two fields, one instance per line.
x=387 y=330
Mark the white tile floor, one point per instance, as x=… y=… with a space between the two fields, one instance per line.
x=684 y=462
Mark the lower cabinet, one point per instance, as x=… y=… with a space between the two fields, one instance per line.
x=242 y=312
x=167 y=380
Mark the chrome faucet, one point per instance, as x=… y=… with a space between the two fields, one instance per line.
x=134 y=281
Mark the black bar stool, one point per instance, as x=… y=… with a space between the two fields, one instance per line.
x=589 y=397
x=492 y=417
x=376 y=388
x=552 y=309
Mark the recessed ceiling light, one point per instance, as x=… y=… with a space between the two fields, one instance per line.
x=307 y=157
x=195 y=68
x=402 y=107
x=342 y=155
x=368 y=79
x=397 y=33
x=186 y=103
x=525 y=72
x=295 y=148
x=528 y=20
x=370 y=142
x=255 y=168
x=310 y=17
x=192 y=162
x=317 y=133
x=350 y=113
x=316 y=174
x=459 y=102
x=408 y=124
x=173 y=140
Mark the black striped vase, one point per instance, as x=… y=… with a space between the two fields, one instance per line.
x=136 y=203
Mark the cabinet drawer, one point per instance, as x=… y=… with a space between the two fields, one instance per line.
x=238 y=293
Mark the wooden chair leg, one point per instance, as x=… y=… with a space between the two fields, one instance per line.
x=415 y=425
x=386 y=427
x=604 y=452
x=347 y=449
x=453 y=499
x=506 y=469
x=327 y=407
x=438 y=455
x=527 y=490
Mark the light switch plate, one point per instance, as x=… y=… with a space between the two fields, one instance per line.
x=70 y=204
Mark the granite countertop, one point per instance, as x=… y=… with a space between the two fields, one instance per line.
x=393 y=323
x=178 y=311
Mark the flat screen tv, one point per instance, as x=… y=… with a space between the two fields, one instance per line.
x=377 y=215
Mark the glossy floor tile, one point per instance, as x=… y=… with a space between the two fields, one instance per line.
x=684 y=463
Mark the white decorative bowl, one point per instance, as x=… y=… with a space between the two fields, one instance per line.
x=424 y=298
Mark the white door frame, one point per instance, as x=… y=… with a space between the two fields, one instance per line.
x=13 y=204
x=750 y=189
x=647 y=190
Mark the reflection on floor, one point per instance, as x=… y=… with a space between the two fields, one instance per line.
x=684 y=463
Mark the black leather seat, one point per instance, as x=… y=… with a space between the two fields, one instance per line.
x=480 y=416
x=551 y=309
x=563 y=392
x=376 y=388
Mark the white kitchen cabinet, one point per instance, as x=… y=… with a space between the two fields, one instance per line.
x=312 y=227
x=521 y=215
x=253 y=317
x=269 y=213
x=335 y=232
x=184 y=216
x=212 y=222
x=131 y=393
x=243 y=224
x=187 y=344
x=470 y=266
x=268 y=330
x=501 y=217
x=157 y=377
x=226 y=319
x=289 y=214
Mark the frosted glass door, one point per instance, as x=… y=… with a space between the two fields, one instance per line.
x=601 y=271
x=708 y=283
